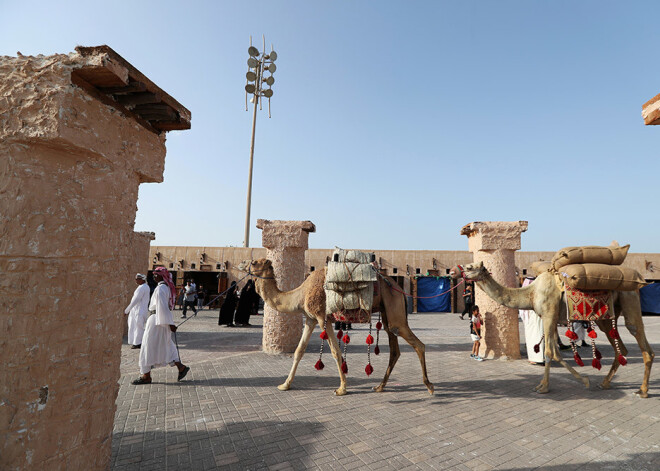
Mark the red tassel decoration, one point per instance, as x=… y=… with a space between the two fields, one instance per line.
x=592 y=334
x=344 y=367
x=340 y=334
x=598 y=354
x=346 y=339
x=379 y=325
x=324 y=335
x=614 y=333
x=537 y=348
x=369 y=369
x=370 y=339
x=376 y=350
x=578 y=359
x=571 y=335
x=595 y=363
x=319 y=365
x=622 y=360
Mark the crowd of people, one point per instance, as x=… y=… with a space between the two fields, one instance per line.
x=150 y=318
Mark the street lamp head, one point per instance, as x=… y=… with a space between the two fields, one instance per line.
x=251 y=76
x=268 y=93
x=272 y=56
x=270 y=80
x=271 y=68
x=250 y=88
x=253 y=51
x=252 y=62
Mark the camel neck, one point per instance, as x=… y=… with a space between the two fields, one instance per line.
x=517 y=298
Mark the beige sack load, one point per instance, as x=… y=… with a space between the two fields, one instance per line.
x=340 y=301
x=349 y=272
x=612 y=255
x=596 y=276
x=540 y=267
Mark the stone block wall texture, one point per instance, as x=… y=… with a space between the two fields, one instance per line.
x=69 y=174
x=285 y=243
x=494 y=243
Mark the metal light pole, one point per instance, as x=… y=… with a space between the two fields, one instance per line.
x=258 y=64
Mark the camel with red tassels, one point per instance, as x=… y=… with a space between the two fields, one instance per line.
x=309 y=299
x=545 y=297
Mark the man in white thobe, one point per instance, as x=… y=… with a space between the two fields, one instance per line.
x=158 y=348
x=533 y=332
x=138 y=311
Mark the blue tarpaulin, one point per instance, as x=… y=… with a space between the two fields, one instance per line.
x=432 y=286
x=650 y=297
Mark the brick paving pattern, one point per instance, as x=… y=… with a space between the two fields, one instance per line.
x=229 y=414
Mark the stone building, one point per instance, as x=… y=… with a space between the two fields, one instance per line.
x=79 y=132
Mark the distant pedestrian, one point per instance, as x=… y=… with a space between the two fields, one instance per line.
x=201 y=296
x=476 y=325
x=468 y=300
x=228 y=307
x=138 y=311
x=158 y=348
x=246 y=304
x=189 y=299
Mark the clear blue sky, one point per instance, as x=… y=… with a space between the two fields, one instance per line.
x=394 y=123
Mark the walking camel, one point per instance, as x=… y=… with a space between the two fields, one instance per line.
x=309 y=299
x=546 y=298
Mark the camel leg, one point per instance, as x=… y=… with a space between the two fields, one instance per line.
x=631 y=310
x=420 y=348
x=336 y=353
x=395 y=353
x=300 y=351
x=605 y=326
x=550 y=340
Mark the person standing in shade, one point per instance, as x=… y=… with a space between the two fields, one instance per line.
x=158 y=348
x=138 y=311
x=246 y=304
x=189 y=298
x=468 y=300
x=476 y=324
x=201 y=296
x=533 y=326
x=228 y=307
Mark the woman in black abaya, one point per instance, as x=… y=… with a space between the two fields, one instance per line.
x=226 y=316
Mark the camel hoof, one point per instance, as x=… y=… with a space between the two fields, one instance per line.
x=604 y=385
x=642 y=394
x=543 y=390
x=585 y=381
x=379 y=388
x=431 y=389
x=283 y=387
x=340 y=392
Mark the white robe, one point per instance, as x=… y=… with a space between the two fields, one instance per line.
x=138 y=312
x=158 y=348
x=533 y=331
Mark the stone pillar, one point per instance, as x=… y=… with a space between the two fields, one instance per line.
x=70 y=166
x=286 y=242
x=494 y=244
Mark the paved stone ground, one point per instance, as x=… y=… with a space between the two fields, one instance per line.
x=228 y=413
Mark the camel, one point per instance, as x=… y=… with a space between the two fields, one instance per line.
x=546 y=298
x=309 y=299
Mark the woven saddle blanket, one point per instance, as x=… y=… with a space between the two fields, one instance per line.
x=589 y=305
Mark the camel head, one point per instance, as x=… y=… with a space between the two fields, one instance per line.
x=262 y=268
x=472 y=271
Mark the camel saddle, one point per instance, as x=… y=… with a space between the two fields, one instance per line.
x=349 y=286
x=589 y=305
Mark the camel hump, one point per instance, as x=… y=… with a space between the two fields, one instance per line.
x=612 y=255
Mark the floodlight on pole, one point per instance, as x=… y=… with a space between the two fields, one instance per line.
x=258 y=64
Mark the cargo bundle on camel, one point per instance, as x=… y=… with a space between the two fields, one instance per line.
x=311 y=299
x=587 y=284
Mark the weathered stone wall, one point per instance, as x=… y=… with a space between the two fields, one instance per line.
x=286 y=242
x=69 y=174
x=494 y=244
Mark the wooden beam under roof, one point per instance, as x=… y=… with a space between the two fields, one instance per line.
x=122 y=85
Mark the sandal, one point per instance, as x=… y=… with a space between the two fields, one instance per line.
x=183 y=373
x=141 y=380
